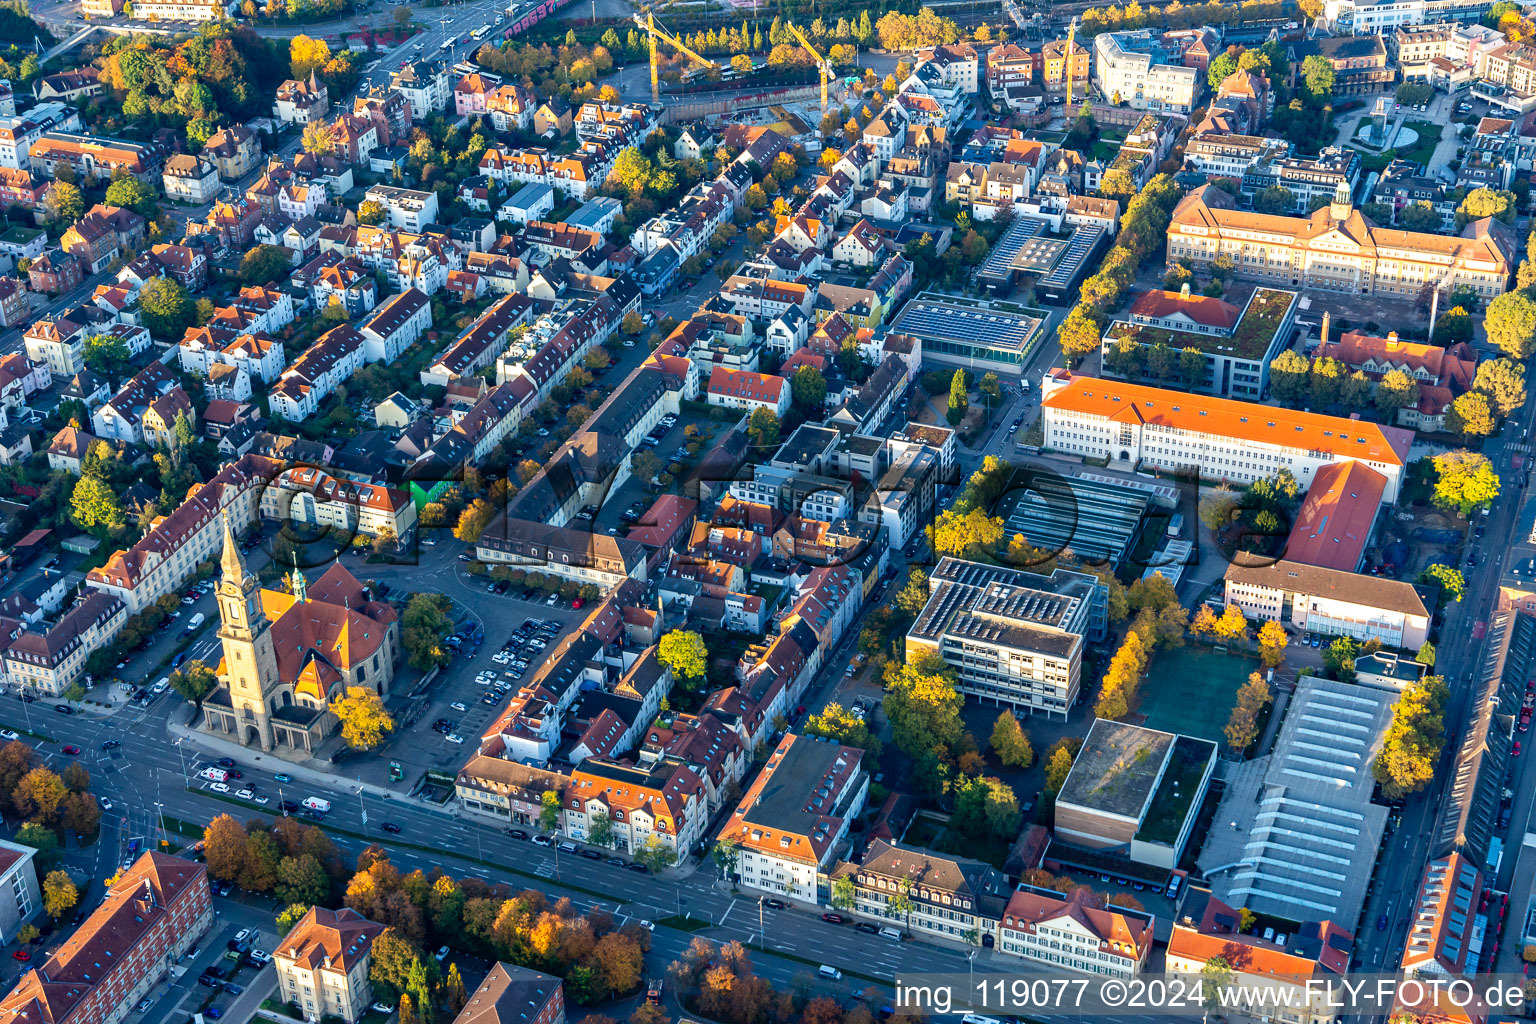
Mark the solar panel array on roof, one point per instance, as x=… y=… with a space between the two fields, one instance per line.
x=975 y=325
x=1078 y=249
x=999 y=261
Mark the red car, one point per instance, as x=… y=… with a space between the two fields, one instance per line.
x=71 y=749
x=576 y=604
x=832 y=918
x=1517 y=748
x=21 y=954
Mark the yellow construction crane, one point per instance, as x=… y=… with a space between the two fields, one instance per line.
x=656 y=32
x=822 y=64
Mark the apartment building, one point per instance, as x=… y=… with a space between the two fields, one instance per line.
x=235 y=151
x=408 y=209
x=121 y=418
x=190 y=179
x=1079 y=932
x=91 y=157
x=48 y=658
x=322 y=964
x=663 y=803
x=743 y=389
x=1013 y=637
x=1153 y=428
x=515 y=995
x=1223 y=154
x=951 y=898
x=323 y=367
x=1135 y=68
x=1330 y=602
x=315 y=501
x=182 y=10
x=790 y=825
x=17 y=134
x=158 y=909
x=1360 y=62
x=300 y=102
x=20 y=895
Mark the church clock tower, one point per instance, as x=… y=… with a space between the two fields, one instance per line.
x=250 y=660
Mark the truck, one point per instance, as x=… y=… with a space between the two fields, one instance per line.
x=317 y=805
x=653 y=991
x=195 y=623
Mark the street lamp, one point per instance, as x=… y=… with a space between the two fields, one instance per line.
x=762 y=940
x=183 y=752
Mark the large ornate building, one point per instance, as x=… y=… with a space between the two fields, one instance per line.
x=287 y=655
x=1338 y=249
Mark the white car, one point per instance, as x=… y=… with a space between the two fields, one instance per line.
x=219 y=787
x=246 y=793
x=160 y=687
x=260 y=956
x=263 y=799
x=459 y=705
x=383 y=1008
x=454 y=737
x=9 y=734
x=484 y=677
x=106 y=804
x=649 y=926
x=541 y=840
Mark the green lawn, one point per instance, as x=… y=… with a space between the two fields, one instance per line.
x=1191 y=690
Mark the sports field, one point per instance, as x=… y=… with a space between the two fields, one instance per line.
x=1191 y=690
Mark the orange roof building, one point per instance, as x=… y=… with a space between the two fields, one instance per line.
x=1334 y=524
x=1079 y=932
x=1153 y=428
x=322 y=963
x=1441 y=937
x=1338 y=249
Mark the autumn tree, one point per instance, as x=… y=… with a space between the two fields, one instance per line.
x=923 y=706
x=1413 y=742
x=59 y=894
x=1464 y=481
x=1272 y=642
x=683 y=651
x=364 y=720
x=224 y=847
x=1510 y=321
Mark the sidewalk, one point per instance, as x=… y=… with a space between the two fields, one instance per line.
x=245 y=756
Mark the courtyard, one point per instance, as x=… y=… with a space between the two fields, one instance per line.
x=1191 y=690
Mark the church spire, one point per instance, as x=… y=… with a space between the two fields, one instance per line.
x=300 y=584
x=231 y=562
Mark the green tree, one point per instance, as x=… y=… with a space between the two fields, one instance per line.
x=549 y=810
x=1057 y=767
x=1220 y=69
x=371 y=212
x=133 y=194
x=265 y=264
x=1317 y=77
x=1503 y=381
x=1486 y=202
x=809 y=389
x=1274 y=200
x=423 y=626
x=600 y=831
x=1289 y=376
x=166 y=308
x=94 y=505
x=683 y=651
x=1511 y=325
x=1396 y=390
x=845 y=894
x=1419 y=216
x=923 y=707
x=1078 y=334
x=1010 y=742
x=194 y=681
x=64 y=201
x=763 y=428
x=302 y=881
x=959 y=399
x=1216 y=977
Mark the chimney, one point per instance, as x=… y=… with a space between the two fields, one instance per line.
x=1392 y=341
x=1323 y=338
x=1184 y=291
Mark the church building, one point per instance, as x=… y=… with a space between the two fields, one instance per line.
x=287 y=656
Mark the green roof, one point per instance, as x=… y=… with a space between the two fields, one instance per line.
x=1176 y=791
x=1250 y=339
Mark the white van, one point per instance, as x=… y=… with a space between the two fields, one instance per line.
x=830 y=972
x=566 y=846
x=214 y=774
x=891 y=933
x=317 y=805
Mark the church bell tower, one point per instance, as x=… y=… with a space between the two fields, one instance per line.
x=250 y=660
